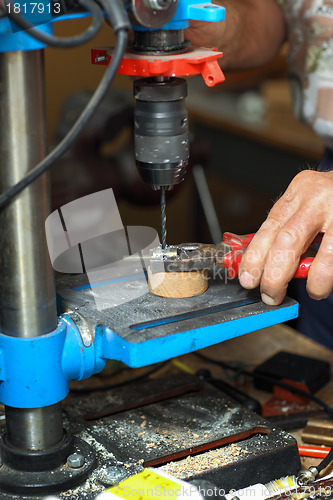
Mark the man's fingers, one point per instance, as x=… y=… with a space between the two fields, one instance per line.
x=320 y=278
x=284 y=255
x=206 y=34
x=294 y=221
x=254 y=258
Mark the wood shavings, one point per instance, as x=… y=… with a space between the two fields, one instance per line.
x=193 y=465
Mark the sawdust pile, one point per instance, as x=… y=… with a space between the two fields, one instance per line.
x=193 y=465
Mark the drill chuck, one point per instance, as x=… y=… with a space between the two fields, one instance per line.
x=161 y=131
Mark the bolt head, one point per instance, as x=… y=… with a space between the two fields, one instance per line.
x=75 y=461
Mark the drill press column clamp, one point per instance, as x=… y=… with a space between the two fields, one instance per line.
x=56 y=358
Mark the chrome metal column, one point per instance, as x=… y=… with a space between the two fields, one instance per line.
x=34 y=429
x=27 y=290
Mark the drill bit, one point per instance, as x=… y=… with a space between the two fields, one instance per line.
x=163 y=218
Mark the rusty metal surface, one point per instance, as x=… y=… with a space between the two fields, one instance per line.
x=140 y=402
x=185 y=426
x=191 y=424
x=209 y=308
x=172 y=428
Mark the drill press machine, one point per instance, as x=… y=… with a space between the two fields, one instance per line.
x=40 y=351
x=160 y=54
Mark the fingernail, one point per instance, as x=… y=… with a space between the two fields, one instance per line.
x=246 y=280
x=268 y=300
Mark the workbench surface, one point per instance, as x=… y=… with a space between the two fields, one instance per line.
x=255 y=348
x=252 y=349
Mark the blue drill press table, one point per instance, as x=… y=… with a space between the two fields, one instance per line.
x=148 y=329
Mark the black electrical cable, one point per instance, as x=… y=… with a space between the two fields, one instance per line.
x=271 y=380
x=121 y=26
x=86 y=390
x=60 y=42
x=325 y=462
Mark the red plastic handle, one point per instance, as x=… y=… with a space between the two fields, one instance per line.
x=239 y=243
x=303 y=267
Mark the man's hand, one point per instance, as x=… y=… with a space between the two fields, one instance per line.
x=202 y=34
x=305 y=209
x=252 y=33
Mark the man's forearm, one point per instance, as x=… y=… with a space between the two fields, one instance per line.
x=251 y=34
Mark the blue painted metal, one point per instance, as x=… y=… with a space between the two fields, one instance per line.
x=78 y=361
x=12 y=40
x=30 y=369
x=195 y=10
x=89 y=286
x=35 y=372
x=152 y=351
x=191 y=315
x=20 y=40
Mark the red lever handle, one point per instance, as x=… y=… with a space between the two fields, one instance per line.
x=303 y=267
x=236 y=240
x=239 y=243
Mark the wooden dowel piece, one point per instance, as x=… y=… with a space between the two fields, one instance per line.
x=178 y=285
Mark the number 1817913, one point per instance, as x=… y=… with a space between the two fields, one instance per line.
x=34 y=8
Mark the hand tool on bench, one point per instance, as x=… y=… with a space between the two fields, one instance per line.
x=199 y=256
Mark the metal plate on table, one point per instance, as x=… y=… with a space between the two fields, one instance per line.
x=194 y=425
x=145 y=329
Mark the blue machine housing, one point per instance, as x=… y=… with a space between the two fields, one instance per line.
x=11 y=41
x=20 y=40
x=194 y=10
